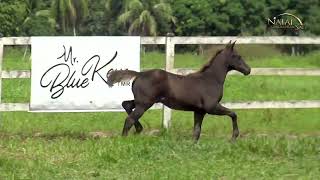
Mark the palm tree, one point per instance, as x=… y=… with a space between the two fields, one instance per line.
x=69 y=14
x=32 y=5
x=34 y=9
x=142 y=17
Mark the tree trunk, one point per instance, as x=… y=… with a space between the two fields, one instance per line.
x=74 y=31
x=293 y=50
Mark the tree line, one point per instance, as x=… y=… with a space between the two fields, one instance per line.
x=151 y=17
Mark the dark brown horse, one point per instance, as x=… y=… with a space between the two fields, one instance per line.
x=199 y=92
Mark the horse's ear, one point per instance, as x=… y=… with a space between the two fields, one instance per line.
x=232 y=45
x=228 y=45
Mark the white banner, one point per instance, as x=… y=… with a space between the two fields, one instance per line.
x=69 y=73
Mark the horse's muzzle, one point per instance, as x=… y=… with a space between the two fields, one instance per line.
x=247 y=71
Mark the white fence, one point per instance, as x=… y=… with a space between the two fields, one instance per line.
x=170 y=43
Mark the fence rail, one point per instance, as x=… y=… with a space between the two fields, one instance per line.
x=170 y=43
x=182 y=71
x=199 y=40
x=266 y=71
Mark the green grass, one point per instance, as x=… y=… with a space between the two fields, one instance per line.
x=162 y=157
x=188 y=60
x=13 y=58
x=269 y=121
x=311 y=60
x=240 y=88
x=273 y=143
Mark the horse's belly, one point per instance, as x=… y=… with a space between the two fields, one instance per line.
x=179 y=105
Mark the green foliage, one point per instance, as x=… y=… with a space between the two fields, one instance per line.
x=97 y=21
x=154 y=17
x=143 y=17
x=69 y=14
x=38 y=20
x=12 y=15
x=39 y=24
x=309 y=12
x=254 y=16
x=208 y=17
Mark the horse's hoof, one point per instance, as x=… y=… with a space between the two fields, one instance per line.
x=235 y=134
x=195 y=141
x=233 y=140
x=124 y=134
x=137 y=132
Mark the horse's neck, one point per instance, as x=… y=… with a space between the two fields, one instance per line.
x=217 y=71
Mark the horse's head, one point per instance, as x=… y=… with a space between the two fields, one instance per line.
x=234 y=60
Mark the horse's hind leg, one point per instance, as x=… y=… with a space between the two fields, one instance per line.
x=129 y=106
x=133 y=117
x=198 y=117
x=221 y=110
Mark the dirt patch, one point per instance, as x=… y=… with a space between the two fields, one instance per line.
x=153 y=132
x=107 y=134
x=101 y=134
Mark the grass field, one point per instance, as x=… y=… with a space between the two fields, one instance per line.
x=188 y=60
x=274 y=143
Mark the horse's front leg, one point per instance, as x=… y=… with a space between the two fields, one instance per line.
x=198 y=117
x=221 y=110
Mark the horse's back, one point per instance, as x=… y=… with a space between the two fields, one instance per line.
x=150 y=85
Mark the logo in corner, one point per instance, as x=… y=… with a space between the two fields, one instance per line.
x=285 y=21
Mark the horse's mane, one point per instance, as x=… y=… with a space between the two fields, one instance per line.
x=208 y=64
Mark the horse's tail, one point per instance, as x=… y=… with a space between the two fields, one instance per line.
x=120 y=75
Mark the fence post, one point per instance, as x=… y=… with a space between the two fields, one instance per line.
x=169 y=67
